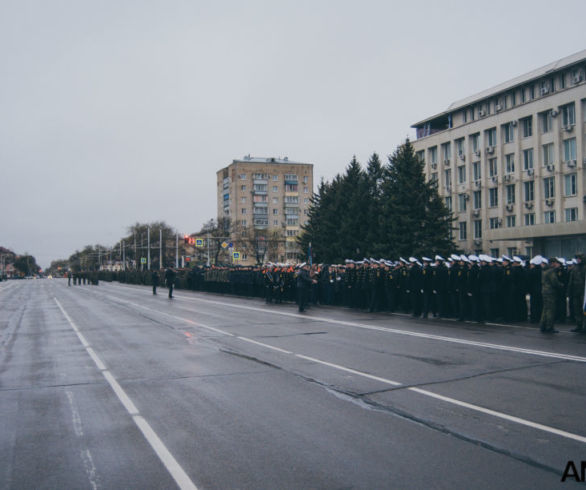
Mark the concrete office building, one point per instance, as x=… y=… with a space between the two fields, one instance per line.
x=509 y=163
x=267 y=200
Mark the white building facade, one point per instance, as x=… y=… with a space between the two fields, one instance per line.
x=509 y=163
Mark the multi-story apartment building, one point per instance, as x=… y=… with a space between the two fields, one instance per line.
x=509 y=162
x=266 y=201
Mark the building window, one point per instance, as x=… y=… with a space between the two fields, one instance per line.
x=507 y=133
x=243 y=211
x=474 y=140
x=548 y=154
x=290 y=188
x=528 y=159
x=511 y=221
x=243 y=222
x=493 y=197
x=477 y=199
x=568 y=115
x=462 y=230
x=460 y=147
x=260 y=198
x=549 y=187
x=549 y=217
x=571 y=214
x=490 y=136
x=570 y=185
x=275 y=178
x=292 y=232
x=529 y=219
x=276 y=188
x=434 y=177
x=495 y=252
x=448 y=179
x=292 y=199
x=306 y=190
x=275 y=200
x=493 y=169
x=276 y=222
x=510 y=191
x=243 y=199
x=528 y=191
x=433 y=155
x=446 y=152
x=290 y=177
x=420 y=156
x=476 y=173
x=242 y=176
x=260 y=187
x=242 y=187
x=510 y=163
x=494 y=223
x=448 y=201
x=275 y=212
x=527 y=126
x=462 y=200
x=546 y=121
x=570 y=149
x=461 y=174
x=477 y=228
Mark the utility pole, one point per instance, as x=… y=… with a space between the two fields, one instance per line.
x=135 y=256
x=208 y=249
x=148 y=248
x=160 y=248
x=176 y=250
x=123 y=256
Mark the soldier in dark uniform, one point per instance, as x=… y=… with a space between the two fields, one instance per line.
x=440 y=287
x=268 y=283
x=575 y=291
x=415 y=287
x=427 y=274
x=170 y=276
x=550 y=287
x=533 y=282
x=303 y=286
x=155 y=280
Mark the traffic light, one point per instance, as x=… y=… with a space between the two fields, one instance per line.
x=186 y=239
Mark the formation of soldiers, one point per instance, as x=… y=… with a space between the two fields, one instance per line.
x=83 y=278
x=463 y=287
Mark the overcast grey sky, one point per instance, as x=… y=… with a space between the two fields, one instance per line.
x=117 y=111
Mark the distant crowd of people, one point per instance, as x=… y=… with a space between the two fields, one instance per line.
x=463 y=287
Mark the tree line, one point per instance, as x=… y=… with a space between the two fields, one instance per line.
x=384 y=211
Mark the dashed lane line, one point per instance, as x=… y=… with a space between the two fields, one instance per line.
x=168 y=460
x=420 y=391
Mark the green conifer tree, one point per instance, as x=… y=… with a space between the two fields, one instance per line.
x=415 y=219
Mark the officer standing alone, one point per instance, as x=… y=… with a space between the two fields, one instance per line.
x=170 y=280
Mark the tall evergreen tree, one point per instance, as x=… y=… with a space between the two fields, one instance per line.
x=415 y=219
x=374 y=245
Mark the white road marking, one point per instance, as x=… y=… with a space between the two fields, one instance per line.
x=501 y=415
x=265 y=345
x=86 y=455
x=453 y=401
x=441 y=338
x=348 y=370
x=170 y=463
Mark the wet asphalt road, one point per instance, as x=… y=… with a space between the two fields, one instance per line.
x=111 y=387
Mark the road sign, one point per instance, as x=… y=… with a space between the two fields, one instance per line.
x=187 y=259
x=143 y=260
x=199 y=242
x=231 y=245
x=236 y=255
x=224 y=244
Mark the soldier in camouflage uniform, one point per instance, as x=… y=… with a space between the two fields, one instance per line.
x=575 y=292
x=550 y=287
